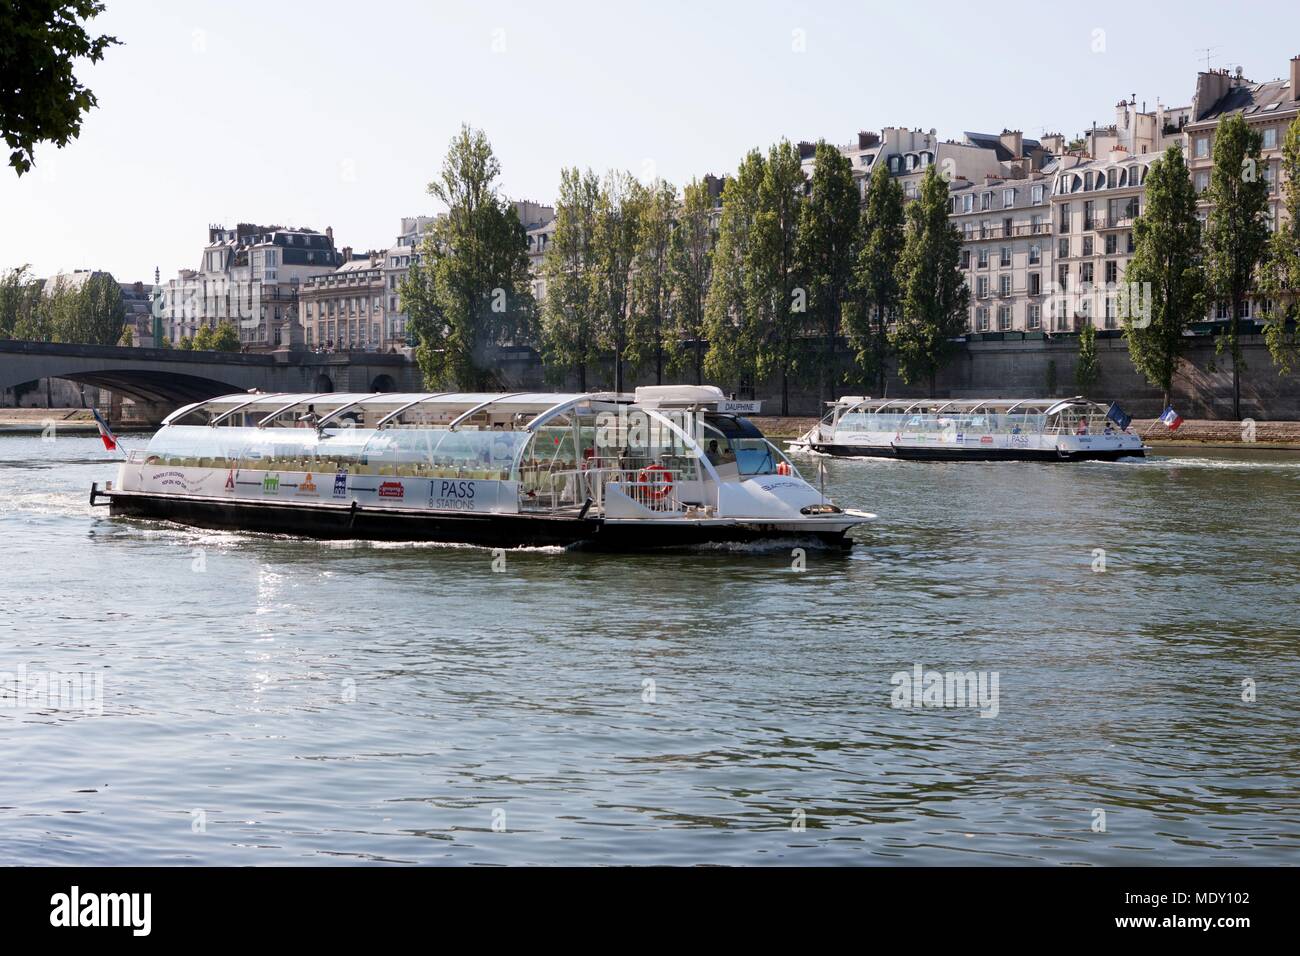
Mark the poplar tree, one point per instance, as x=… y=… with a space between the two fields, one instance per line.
x=731 y=312
x=1165 y=281
x=651 y=278
x=617 y=224
x=875 y=275
x=690 y=269
x=1236 y=233
x=470 y=292
x=782 y=295
x=569 y=312
x=828 y=234
x=1087 y=367
x=934 y=292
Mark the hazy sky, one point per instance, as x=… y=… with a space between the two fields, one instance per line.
x=329 y=113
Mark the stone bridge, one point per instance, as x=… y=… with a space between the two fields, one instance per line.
x=168 y=378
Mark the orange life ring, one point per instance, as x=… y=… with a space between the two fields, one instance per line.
x=783 y=468
x=659 y=489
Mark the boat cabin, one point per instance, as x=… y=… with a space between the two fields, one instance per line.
x=657 y=450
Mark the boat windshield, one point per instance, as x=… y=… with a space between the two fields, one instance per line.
x=737 y=449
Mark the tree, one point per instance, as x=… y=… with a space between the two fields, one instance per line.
x=20 y=300
x=128 y=337
x=40 y=98
x=1236 y=233
x=651 y=280
x=782 y=298
x=569 y=312
x=1281 y=271
x=1087 y=368
x=731 y=321
x=828 y=232
x=1164 y=278
x=222 y=337
x=690 y=269
x=756 y=306
x=875 y=275
x=86 y=309
x=100 y=312
x=470 y=292
x=934 y=292
x=617 y=225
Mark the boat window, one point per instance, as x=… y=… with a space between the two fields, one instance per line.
x=302 y=449
x=885 y=421
x=191 y=445
x=442 y=453
x=488 y=454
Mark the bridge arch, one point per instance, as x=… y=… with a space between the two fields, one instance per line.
x=153 y=386
x=383 y=383
x=324 y=383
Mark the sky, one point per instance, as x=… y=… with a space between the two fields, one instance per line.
x=325 y=113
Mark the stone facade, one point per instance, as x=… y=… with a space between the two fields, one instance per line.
x=249 y=276
x=346 y=310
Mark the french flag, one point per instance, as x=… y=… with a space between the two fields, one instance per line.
x=105 y=433
x=1171 y=418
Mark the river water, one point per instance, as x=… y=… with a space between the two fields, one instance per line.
x=249 y=699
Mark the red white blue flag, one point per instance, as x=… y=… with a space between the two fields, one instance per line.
x=1171 y=418
x=105 y=433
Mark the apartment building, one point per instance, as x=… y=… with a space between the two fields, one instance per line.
x=398 y=259
x=1006 y=228
x=1139 y=131
x=1268 y=107
x=1094 y=205
x=908 y=153
x=345 y=310
x=249 y=276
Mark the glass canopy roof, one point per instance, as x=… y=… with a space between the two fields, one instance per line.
x=376 y=409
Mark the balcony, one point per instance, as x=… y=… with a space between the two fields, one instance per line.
x=1123 y=221
x=1001 y=232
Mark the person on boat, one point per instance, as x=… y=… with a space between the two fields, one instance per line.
x=309 y=418
x=1083 y=427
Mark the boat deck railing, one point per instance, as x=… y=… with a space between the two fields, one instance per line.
x=559 y=489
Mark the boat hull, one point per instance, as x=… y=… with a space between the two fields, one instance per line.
x=340 y=522
x=854 y=451
x=969 y=453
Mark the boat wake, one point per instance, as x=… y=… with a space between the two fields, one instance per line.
x=1175 y=461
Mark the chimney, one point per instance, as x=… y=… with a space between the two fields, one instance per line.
x=347 y=254
x=1295 y=77
x=329 y=234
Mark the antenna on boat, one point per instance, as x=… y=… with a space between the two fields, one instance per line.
x=821 y=475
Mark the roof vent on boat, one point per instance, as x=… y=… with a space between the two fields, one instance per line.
x=657 y=395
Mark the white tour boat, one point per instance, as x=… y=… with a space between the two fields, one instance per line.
x=1071 y=429
x=661 y=467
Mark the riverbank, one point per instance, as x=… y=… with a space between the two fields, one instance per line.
x=77 y=421
x=1204 y=432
